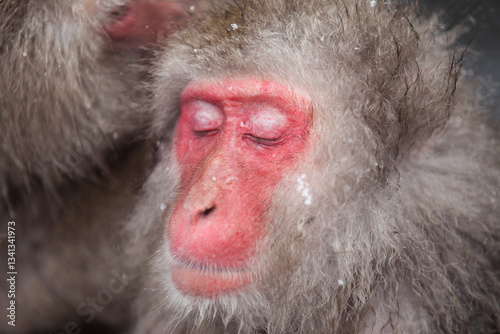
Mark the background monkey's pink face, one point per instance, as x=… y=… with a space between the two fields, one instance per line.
x=141 y=21
x=234 y=142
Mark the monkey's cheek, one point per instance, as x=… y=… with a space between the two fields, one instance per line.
x=196 y=283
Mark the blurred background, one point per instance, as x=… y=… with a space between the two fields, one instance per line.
x=479 y=20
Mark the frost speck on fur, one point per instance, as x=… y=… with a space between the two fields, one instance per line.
x=303 y=188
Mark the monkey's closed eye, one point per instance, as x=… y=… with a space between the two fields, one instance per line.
x=119 y=12
x=206 y=133
x=266 y=142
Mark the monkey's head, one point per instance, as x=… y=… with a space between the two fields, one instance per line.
x=292 y=122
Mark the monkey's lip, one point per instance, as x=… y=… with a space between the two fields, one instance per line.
x=198 y=281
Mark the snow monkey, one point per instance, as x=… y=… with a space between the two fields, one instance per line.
x=319 y=171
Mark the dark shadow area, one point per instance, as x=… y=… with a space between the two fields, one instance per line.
x=480 y=26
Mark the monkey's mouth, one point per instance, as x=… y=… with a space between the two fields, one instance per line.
x=208 y=281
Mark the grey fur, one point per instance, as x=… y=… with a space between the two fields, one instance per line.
x=73 y=155
x=67 y=99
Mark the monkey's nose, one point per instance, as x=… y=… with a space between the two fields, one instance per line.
x=201 y=202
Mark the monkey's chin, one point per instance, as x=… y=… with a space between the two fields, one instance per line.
x=198 y=283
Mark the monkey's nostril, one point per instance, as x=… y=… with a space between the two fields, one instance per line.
x=207 y=211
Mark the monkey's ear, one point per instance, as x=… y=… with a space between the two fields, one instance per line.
x=143 y=23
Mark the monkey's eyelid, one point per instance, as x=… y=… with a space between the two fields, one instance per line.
x=267 y=142
x=205 y=133
x=205 y=116
x=119 y=12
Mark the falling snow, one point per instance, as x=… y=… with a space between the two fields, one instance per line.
x=234 y=26
x=303 y=188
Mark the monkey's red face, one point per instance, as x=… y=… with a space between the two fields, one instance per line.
x=234 y=142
